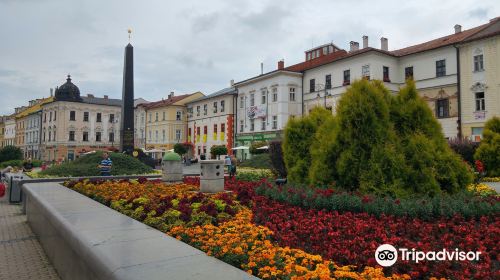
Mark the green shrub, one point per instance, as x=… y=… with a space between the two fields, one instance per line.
x=87 y=166
x=276 y=158
x=427 y=208
x=10 y=153
x=12 y=163
x=262 y=161
x=489 y=149
x=180 y=148
x=253 y=174
x=218 y=150
x=254 y=147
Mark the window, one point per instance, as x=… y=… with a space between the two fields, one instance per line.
x=99 y=117
x=328 y=81
x=156 y=136
x=292 y=94
x=150 y=117
x=215 y=131
x=50 y=116
x=215 y=107
x=222 y=105
x=365 y=72
x=45 y=117
x=112 y=118
x=308 y=56
x=442 y=108
x=440 y=68
x=163 y=135
x=50 y=135
x=241 y=126
x=263 y=124
x=263 y=95
x=385 y=71
x=275 y=95
x=55 y=115
x=197 y=110
x=71 y=136
x=478 y=63
x=347 y=77
x=205 y=109
x=85 y=136
x=205 y=130
x=178 y=115
x=480 y=104
x=156 y=116
x=275 y=122
x=163 y=115
x=477 y=133
x=98 y=136
x=242 y=101
x=252 y=124
x=252 y=99
x=85 y=116
x=222 y=127
x=178 y=134
x=72 y=115
x=312 y=85
x=112 y=136
x=54 y=135
x=409 y=72
x=142 y=118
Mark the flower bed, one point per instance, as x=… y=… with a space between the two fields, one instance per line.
x=276 y=240
x=220 y=225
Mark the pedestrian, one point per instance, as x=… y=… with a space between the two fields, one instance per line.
x=227 y=162
x=234 y=161
x=106 y=165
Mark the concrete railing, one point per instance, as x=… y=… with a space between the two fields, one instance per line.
x=87 y=240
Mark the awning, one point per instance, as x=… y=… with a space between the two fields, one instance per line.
x=240 y=148
x=263 y=148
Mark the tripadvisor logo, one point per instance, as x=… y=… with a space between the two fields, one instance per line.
x=387 y=255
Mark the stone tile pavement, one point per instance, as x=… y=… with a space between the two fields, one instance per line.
x=21 y=255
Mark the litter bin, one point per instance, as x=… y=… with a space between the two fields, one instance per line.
x=14 y=189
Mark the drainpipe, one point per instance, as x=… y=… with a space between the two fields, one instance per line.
x=459 y=121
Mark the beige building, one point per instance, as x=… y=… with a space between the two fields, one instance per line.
x=480 y=78
x=166 y=123
x=211 y=121
x=140 y=123
x=2 y=130
x=73 y=125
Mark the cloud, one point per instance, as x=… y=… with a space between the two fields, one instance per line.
x=480 y=13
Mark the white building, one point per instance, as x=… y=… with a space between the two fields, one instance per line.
x=264 y=105
x=33 y=135
x=10 y=132
x=211 y=121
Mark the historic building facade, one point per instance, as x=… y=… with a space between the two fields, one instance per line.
x=480 y=79
x=166 y=123
x=140 y=123
x=73 y=125
x=211 y=121
x=264 y=105
x=9 y=136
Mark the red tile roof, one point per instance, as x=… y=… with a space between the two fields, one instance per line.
x=165 y=102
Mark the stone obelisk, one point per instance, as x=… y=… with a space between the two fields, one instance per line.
x=127 y=115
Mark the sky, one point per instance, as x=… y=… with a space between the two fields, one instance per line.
x=188 y=46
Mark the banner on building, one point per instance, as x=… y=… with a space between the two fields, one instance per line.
x=255 y=112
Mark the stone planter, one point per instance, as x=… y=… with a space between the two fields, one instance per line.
x=171 y=166
x=211 y=176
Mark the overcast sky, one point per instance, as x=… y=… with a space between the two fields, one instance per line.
x=187 y=46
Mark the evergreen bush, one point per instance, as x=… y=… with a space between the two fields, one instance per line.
x=489 y=149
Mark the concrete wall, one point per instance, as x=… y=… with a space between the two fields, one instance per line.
x=87 y=240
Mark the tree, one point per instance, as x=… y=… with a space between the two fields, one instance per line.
x=489 y=149
x=180 y=148
x=299 y=136
x=10 y=153
x=276 y=155
x=218 y=150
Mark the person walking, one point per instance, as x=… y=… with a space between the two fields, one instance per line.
x=106 y=165
x=234 y=161
x=227 y=162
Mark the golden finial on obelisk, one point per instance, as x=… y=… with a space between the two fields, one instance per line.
x=129 y=32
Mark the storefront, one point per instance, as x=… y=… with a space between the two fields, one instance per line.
x=248 y=139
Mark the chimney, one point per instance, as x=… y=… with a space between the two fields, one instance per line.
x=262 y=68
x=281 y=64
x=354 y=46
x=171 y=95
x=106 y=97
x=365 y=41
x=458 y=28
x=231 y=82
x=384 y=44
x=90 y=95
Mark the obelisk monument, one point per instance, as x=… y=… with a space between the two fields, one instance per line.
x=127 y=115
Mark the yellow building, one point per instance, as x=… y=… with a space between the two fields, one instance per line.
x=2 y=130
x=480 y=78
x=166 y=123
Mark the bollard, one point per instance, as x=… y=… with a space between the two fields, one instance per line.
x=171 y=166
x=211 y=176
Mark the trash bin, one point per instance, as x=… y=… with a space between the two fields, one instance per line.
x=14 y=188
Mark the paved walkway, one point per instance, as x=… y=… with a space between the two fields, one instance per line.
x=21 y=255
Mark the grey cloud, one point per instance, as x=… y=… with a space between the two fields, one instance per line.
x=481 y=13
